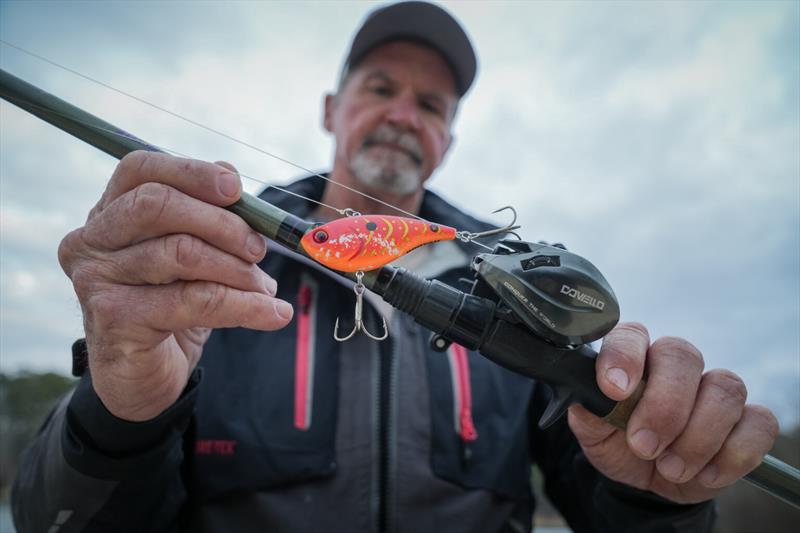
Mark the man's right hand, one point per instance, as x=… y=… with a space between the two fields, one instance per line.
x=159 y=263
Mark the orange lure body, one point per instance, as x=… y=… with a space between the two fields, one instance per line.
x=367 y=242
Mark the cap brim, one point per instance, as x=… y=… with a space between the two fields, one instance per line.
x=419 y=22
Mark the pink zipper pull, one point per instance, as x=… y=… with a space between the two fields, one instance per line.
x=303 y=379
x=466 y=426
x=468 y=431
x=304 y=299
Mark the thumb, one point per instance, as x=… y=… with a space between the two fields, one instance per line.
x=621 y=361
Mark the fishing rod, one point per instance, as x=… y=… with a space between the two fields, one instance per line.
x=517 y=312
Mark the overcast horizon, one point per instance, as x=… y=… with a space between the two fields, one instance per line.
x=657 y=139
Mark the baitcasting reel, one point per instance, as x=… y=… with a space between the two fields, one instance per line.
x=558 y=295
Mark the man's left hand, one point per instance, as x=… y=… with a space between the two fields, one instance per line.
x=690 y=435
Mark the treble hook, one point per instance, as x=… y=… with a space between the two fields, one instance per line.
x=467 y=236
x=359 y=289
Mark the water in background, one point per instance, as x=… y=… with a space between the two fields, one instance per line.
x=6 y=525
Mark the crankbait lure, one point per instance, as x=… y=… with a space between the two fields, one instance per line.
x=367 y=242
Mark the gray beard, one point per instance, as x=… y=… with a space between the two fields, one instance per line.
x=395 y=173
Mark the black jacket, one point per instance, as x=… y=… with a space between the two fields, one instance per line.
x=292 y=431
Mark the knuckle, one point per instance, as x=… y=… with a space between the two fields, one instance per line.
x=669 y=422
x=695 y=451
x=67 y=250
x=727 y=386
x=187 y=166
x=206 y=298
x=765 y=420
x=99 y=206
x=149 y=201
x=625 y=346
x=231 y=227
x=139 y=162
x=679 y=347
x=636 y=327
x=625 y=342
x=185 y=249
x=105 y=311
x=103 y=306
x=193 y=167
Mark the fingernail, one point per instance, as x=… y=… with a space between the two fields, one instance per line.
x=645 y=442
x=270 y=285
x=255 y=244
x=708 y=475
x=228 y=184
x=671 y=466
x=284 y=309
x=618 y=377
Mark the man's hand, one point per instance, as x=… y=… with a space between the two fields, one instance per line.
x=158 y=263
x=691 y=433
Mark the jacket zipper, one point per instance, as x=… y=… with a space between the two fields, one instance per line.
x=462 y=394
x=304 y=354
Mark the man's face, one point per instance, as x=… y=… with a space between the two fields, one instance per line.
x=392 y=117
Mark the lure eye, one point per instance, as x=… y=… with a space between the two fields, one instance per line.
x=371 y=226
x=320 y=236
x=434 y=228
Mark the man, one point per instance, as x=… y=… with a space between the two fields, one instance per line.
x=279 y=427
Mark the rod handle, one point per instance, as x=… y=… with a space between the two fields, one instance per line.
x=772 y=475
x=619 y=416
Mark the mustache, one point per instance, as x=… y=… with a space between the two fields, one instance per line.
x=389 y=134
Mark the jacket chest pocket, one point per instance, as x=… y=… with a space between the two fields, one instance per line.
x=263 y=417
x=479 y=419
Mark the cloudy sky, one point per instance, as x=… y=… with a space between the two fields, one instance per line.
x=659 y=140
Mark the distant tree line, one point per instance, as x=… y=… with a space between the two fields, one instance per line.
x=25 y=400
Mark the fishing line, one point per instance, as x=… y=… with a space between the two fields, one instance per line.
x=162 y=148
x=463 y=235
x=207 y=128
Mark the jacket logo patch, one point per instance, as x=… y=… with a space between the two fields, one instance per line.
x=215 y=447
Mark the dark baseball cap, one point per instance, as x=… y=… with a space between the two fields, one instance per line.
x=422 y=22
